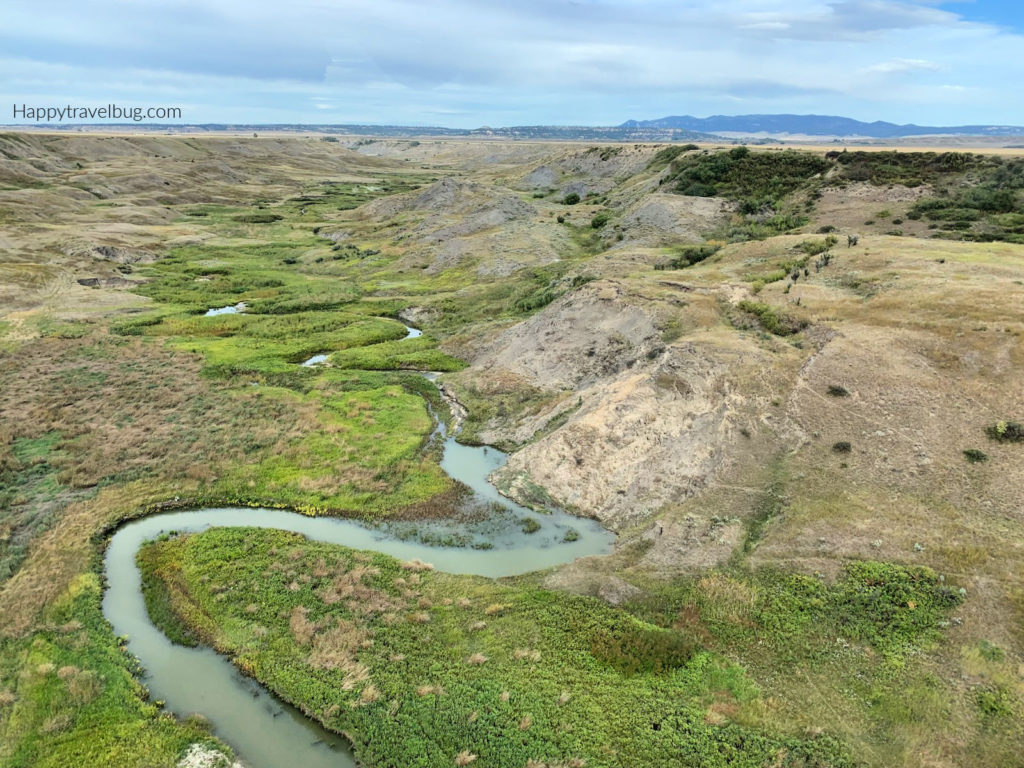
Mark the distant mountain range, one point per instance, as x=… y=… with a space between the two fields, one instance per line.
x=813 y=125
x=756 y=128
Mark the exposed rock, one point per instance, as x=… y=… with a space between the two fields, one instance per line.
x=644 y=438
x=593 y=332
x=690 y=543
x=453 y=197
x=200 y=756
x=124 y=255
x=104 y=282
x=587 y=577
x=542 y=176
x=662 y=217
x=418 y=316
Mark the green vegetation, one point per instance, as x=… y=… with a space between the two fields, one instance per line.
x=418 y=354
x=571 y=199
x=688 y=255
x=977 y=197
x=547 y=286
x=769 y=319
x=258 y=218
x=893 y=610
x=736 y=664
x=908 y=168
x=530 y=525
x=31 y=493
x=345 y=465
x=69 y=696
x=755 y=179
x=1006 y=431
x=816 y=247
x=523 y=674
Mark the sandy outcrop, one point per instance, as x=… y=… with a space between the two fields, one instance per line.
x=652 y=435
x=587 y=334
x=468 y=200
x=452 y=222
x=200 y=756
x=661 y=217
x=541 y=176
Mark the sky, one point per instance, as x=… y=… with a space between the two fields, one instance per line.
x=471 y=63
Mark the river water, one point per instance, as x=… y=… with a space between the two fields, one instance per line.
x=410 y=333
x=265 y=732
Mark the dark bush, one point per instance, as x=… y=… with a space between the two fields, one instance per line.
x=772 y=321
x=1006 y=432
x=571 y=199
x=740 y=174
x=641 y=650
x=837 y=390
x=815 y=247
x=975 y=456
x=257 y=218
x=688 y=255
x=842 y=447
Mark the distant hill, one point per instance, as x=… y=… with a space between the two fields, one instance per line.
x=537 y=132
x=812 y=125
x=761 y=129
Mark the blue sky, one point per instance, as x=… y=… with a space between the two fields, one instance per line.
x=468 y=63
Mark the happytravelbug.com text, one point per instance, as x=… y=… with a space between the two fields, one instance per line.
x=108 y=112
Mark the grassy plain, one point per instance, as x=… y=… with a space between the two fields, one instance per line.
x=419 y=667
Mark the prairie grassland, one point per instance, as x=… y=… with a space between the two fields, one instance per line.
x=418 y=666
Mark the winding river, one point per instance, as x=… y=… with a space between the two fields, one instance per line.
x=265 y=732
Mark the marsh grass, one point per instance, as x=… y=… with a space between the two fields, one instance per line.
x=510 y=674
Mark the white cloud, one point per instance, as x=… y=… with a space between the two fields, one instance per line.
x=514 y=61
x=895 y=66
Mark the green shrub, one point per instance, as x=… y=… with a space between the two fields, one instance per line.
x=257 y=218
x=772 y=321
x=815 y=247
x=975 y=456
x=1006 y=432
x=530 y=525
x=571 y=199
x=537 y=299
x=689 y=255
x=837 y=390
x=842 y=446
x=739 y=174
x=666 y=156
x=600 y=219
x=994 y=702
x=638 y=649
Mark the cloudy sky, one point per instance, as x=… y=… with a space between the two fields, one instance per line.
x=468 y=63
